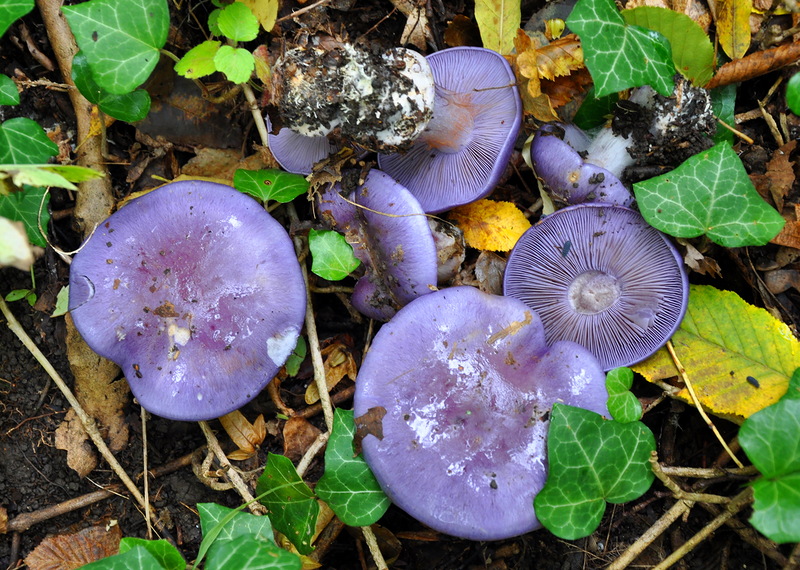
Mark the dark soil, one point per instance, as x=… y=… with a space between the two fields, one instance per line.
x=34 y=474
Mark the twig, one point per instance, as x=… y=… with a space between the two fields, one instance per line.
x=88 y=422
x=707 y=472
x=680 y=493
x=372 y=544
x=301 y=11
x=146 y=474
x=312 y=451
x=690 y=388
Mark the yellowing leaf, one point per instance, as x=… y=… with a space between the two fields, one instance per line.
x=489 y=225
x=738 y=357
x=245 y=435
x=498 y=21
x=265 y=11
x=733 y=26
x=339 y=362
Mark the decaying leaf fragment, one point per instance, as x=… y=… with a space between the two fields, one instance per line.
x=245 y=435
x=68 y=551
x=339 y=363
x=490 y=225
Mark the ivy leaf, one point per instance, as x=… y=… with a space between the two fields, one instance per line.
x=24 y=207
x=710 y=193
x=292 y=504
x=619 y=55
x=23 y=141
x=771 y=440
x=62 y=302
x=723 y=103
x=8 y=91
x=738 y=357
x=251 y=552
x=333 y=257
x=270 y=184
x=793 y=93
x=692 y=51
x=348 y=485
x=59 y=175
x=134 y=559
x=498 y=21
x=121 y=40
x=167 y=555
x=236 y=63
x=199 y=61
x=237 y=23
x=490 y=225
x=11 y=11
x=592 y=461
x=622 y=403
x=128 y=107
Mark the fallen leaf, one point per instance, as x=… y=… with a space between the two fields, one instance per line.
x=417 y=30
x=733 y=26
x=699 y=262
x=755 y=65
x=779 y=177
x=221 y=164
x=462 y=31
x=789 y=236
x=298 y=435
x=72 y=438
x=339 y=363
x=265 y=11
x=370 y=423
x=489 y=225
x=68 y=551
x=245 y=435
x=738 y=357
x=498 y=21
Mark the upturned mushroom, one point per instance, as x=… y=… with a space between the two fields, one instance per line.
x=464 y=382
x=390 y=234
x=461 y=154
x=600 y=276
x=195 y=291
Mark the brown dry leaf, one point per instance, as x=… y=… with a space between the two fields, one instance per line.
x=298 y=435
x=733 y=26
x=245 y=435
x=490 y=225
x=790 y=234
x=755 y=65
x=339 y=362
x=699 y=262
x=97 y=388
x=221 y=164
x=3 y=521
x=780 y=173
x=369 y=423
x=565 y=89
x=68 y=551
x=417 y=29
x=72 y=438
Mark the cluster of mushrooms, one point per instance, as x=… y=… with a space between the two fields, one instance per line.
x=196 y=292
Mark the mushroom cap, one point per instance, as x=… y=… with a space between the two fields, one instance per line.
x=566 y=174
x=391 y=236
x=443 y=180
x=600 y=276
x=195 y=291
x=298 y=153
x=467 y=383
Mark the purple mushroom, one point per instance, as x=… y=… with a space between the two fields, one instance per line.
x=466 y=146
x=600 y=276
x=467 y=382
x=195 y=291
x=390 y=234
x=298 y=153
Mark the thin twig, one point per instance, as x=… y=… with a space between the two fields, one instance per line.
x=312 y=451
x=374 y=549
x=680 y=493
x=690 y=388
x=146 y=475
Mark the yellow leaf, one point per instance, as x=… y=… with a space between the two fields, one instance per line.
x=265 y=11
x=733 y=26
x=245 y=435
x=498 y=21
x=738 y=357
x=489 y=225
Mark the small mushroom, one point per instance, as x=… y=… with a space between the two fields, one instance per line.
x=195 y=291
x=466 y=146
x=600 y=276
x=465 y=383
x=390 y=234
x=298 y=153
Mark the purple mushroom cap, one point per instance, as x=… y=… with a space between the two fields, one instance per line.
x=568 y=176
x=467 y=383
x=298 y=153
x=195 y=291
x=390 y=234
x=600 y=276
x=465 y=148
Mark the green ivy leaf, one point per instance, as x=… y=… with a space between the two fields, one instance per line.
x=292 y=504
x=11 y=11
x=348 y=485
x=692 y=51
x=771 y=440
x=723 y=103
x=8 y=91
x=270 y=184
x=24 y=207
x=710 y=193
x=137 y=558
x=793 y=93
x=121 y=40
x=128 y=107
x=333 y=258
x=296 y=358
x=23 y=141
x=622 y=403
x=595 y=111
x=618 y=55
x=592 y=461
x=199 y=61
x=167 y=555
x=251 y=552
x=236 y=63
x=237 y=23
